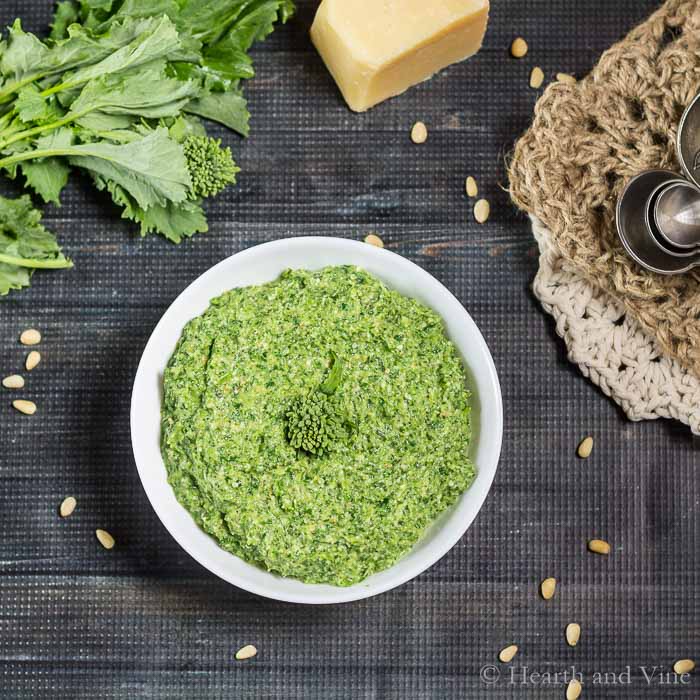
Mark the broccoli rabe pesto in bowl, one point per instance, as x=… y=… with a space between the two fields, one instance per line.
x=316 y=425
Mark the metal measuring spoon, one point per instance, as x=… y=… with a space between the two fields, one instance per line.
x=677 y=216
x=633 y=225
x=659 y=237
x=688 y=142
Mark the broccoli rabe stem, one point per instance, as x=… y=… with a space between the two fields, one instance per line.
x=38 y=130
x=56 y=264
x=8 y=92
x=32 y=155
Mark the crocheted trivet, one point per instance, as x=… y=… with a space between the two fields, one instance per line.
x=609 y=346
x=587 y=140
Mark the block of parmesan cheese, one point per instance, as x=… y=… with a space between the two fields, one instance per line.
x=376 y=49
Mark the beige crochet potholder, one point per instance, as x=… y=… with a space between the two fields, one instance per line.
x=634 y=333
x=610 y=347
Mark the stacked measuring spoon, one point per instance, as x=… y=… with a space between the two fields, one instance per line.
x=658 y=213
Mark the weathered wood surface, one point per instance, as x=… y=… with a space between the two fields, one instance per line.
x=146 y=621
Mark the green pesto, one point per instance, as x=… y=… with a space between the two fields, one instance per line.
x=355 y=509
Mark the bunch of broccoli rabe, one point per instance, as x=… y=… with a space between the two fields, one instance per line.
x=119 y=90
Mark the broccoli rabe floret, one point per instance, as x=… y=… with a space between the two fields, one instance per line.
x=211 y=167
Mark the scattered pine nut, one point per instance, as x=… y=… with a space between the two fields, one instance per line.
x=684 y=666
x=482 y=211
x=566 y=78
x=548 y=588
x=573 y=634
x=33 y=359
x=14 y=381
x=373 y=239
x=246 y=652
x=106 y=540
x=508 y=654
x=68 y=506
x=419 y=133
x=518 y=49
x=599 y=547
x=536 y=78
x=471 y=187
x=30 y=337
x=573 y=690
x=26 y=407
x=585 y=448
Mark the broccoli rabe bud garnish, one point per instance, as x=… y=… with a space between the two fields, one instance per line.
x=315 y=421
x=211 y=167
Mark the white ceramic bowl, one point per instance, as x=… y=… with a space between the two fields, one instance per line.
x=264 y=263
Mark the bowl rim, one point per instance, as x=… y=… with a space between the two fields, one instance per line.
x=479 y=489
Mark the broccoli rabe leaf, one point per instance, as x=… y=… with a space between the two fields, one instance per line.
x=174 y=221
x=210 y=20
x=25 y=245
x=65 y=15
x=22 y=53
x=26 y=58
x=227 y=108
x=256 y=22
x=145 y=93
x=157 y=39
x=133 y=9
x=32 y=106
x=48 y=176
x=152 y=169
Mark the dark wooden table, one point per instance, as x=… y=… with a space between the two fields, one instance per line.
x=146 y=621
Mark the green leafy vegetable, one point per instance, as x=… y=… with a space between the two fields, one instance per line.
x=25 y=245
x=332 y=382
x=65 y=15
x=227 y=108
x=118 y=90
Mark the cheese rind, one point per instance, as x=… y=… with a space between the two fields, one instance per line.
x=376 y=49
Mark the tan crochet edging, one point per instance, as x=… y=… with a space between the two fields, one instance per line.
x=609 y=346
x=587 y=140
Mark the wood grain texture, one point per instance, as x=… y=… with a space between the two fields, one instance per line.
x=145 y=621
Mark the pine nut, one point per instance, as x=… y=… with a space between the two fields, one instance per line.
x=519 y=48
x=566 y=78
x=548 y=588
x=585 y=448
x=573 y=690
x=419 y=133
x=599 y=547
x=14 y=381
x=471 y=187
x=30 y=337
x=482 y=211
x=684 y=666
x=33 y=359
x=573 y=634
x=508 y=654
x=373 y=239
x=67 y=507
x=26 y=407
x=246 y=652
x=106 y=540
x=536 y=78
